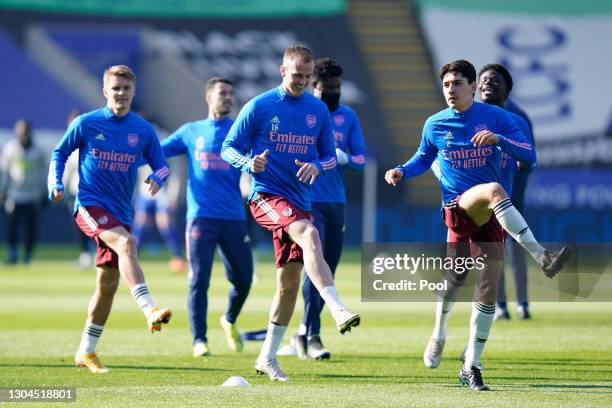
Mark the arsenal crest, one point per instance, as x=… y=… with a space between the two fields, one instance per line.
x=311 y=121
x=339 y=120
x=132 y=139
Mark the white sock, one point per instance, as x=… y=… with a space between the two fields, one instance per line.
x=273 y=339
x=330 y=297
x=143 y=297
x=302 y=330
x=90 y=337
x=480 y=326
x=513 y=222
x=443 y=311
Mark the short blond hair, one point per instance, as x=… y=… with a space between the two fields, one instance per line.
x=121 y=71
x=298 y=51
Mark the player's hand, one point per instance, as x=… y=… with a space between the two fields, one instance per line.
x=57 y=195
x=484 y=137
x=259 y=161
x=393 y=176
x=522 y=165
x=341 y=156
x=153 y=186
x=307 y=173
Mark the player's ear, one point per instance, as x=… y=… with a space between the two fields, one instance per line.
x=283 y=70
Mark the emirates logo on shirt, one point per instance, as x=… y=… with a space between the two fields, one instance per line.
x=311 y=121
x=132 y=139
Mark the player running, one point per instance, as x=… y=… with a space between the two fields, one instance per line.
x=111 y=142
x=288 y=133
x=215 y=215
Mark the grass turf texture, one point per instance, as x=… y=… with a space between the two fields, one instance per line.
x=563 y=357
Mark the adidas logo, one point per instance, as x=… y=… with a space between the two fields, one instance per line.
x=275 y=120
x=100 y=137
x=448 y=136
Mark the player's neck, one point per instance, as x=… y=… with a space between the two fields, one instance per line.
x=118 y=112
x=216 y=115
x=465 y=108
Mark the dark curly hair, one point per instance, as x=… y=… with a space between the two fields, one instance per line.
x=327 y=68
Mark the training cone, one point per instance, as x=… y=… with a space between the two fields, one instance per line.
x=236 y=381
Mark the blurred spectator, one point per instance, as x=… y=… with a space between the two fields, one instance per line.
x=22 y=188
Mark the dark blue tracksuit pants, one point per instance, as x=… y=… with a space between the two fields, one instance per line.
x=203 y=235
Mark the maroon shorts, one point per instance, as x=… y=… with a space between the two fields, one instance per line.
x=94 y=220
x=486 y=239
x=276 y=213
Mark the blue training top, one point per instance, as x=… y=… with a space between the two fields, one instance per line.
x=446 y=137
x=291 y=128
x=110 y=150
x=213 y=189
x=347 y=133
x=508 y=164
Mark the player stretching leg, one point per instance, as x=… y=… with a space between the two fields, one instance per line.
x=476 y=207
x=494 y=85
x=288 y=133
x=111 y=142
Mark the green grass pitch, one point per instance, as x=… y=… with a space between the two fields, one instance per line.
x=563 y=357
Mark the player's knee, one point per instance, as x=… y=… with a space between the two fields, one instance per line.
x=496 y=192
x=244 y=284
x=126 y=245
x=311 y=236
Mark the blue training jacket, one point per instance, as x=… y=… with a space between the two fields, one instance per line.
x=110 y=150
x=213 y=189
x=291 y=128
